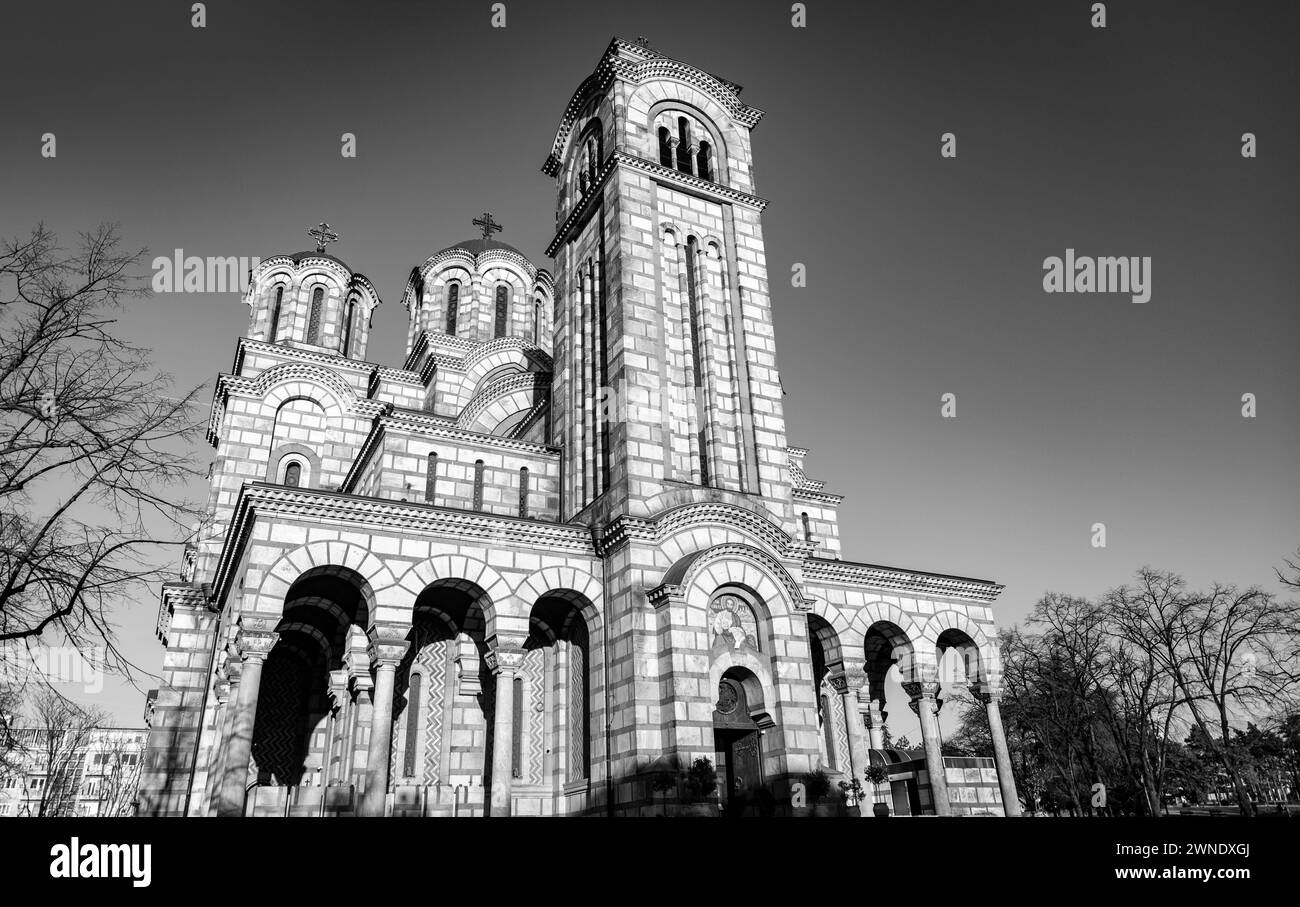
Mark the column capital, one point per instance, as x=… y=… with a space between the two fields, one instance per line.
x=923 y=689
x=255 y=638
x=855 y=672
x=221 y=689
x=986 y=692
x=504 y=658
x=387 y=644
x=338 y=688
x=839 y=683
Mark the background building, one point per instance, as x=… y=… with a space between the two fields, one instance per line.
x=54 y=773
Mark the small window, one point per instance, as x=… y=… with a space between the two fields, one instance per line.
x=478 y=484
x=274 y=327
x=665 y=146
x=537 y=322
x=412 y=725
x=313 y=316
x=807 y=528
x=347 y=327
x=293 y=474
x=453 y=303
x=683 y=145
x=703 y=163
x=523 y=491
x=430 y=477
x=503 y=304
x=517 y=738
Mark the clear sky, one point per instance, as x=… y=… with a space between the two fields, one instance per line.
x=924 y=273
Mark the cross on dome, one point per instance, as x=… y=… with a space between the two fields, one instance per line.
x=323 y=236
x=487 y=225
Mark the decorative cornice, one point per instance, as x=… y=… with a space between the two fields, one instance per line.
x=695 y=184
x=817 y=497
x=625 y=528
x=822 y=570
x=258 y=500
x=692 y=184
x=664 y=594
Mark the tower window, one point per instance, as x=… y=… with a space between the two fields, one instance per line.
x=523 y=491
x=703 y=164
x=453 y=303
x=478 y=484
x=665 y=146
x=807 y=527
x=537 y=321
x=430 y=477
x=293 y=474
x=683 y=145
x=502 y=307
x=275 y=315
x=313 y=317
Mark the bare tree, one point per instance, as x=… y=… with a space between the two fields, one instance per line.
x=63 y=734
x=90 y=441
x=1227 y=651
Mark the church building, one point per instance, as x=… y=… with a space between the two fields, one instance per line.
x=561 y=552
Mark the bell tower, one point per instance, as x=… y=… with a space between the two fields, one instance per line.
x=666 y=387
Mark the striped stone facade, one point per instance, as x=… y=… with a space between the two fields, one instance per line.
x=534 y=569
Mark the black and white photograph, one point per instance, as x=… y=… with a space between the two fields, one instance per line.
x=726 y=409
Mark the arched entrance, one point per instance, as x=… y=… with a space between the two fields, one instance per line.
x=738 y=743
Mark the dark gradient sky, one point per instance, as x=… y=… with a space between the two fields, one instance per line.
x=924 y=274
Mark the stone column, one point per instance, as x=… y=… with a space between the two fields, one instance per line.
x=990 y=696
x=335 y=743
x=848 y=684
x=363 y=697
x=253 y=642
x=386 y=651
x=225 y=689
x=923 y=697
x=504 y=660
x=875 y=719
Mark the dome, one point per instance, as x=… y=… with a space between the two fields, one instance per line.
x=478 y=246
x=312 y=253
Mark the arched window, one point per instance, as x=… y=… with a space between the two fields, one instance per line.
x=665 y=146
x=430 y=477
x=347 y=327
x=503 y=304
x=412 y=725
x=523 y=491
x=807 y=527
x=537 y=321
x=703 y=165
x=683 y=145
x=593 y=160
x=453 y=303
x=275 y=315
x=293 y=474
x=694 y=298
x=478 y=484
x=313 y=317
